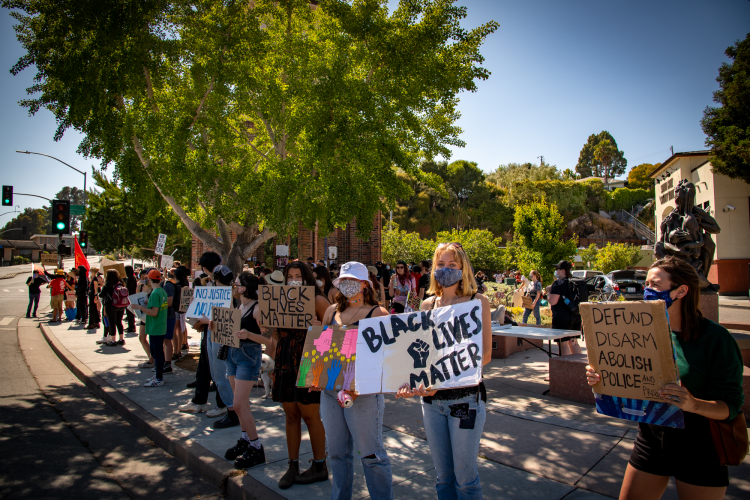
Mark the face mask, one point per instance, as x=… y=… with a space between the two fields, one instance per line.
x=388 y=267
x=294 y=283
x=446 y=276
x=651 y=294
x=558 y=275
x=349 y=288
x=531 y=278
x=319 y=283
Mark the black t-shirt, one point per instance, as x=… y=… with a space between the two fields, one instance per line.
x=424 y=283
x=35 y=283
x=170 y=289
x=560 y=311
x=248 y=323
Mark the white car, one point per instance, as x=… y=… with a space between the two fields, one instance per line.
x=585 y=274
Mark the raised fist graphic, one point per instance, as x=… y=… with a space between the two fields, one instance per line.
x=419 y=350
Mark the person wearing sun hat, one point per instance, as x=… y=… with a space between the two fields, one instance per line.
x=360 y=425
x=57 y=295
x=275 y=278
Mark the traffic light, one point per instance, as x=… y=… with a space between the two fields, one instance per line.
x=83 y=239
x=60 y=216
x=7 y=196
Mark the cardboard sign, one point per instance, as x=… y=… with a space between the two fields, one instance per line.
x=49 y=259
x=166 y=261
x=140 y=299
x=440 y=348
x=160 y=244
x=226 y=323
x=629 y=345
x=207 y=297
x=117 y=266
x=329 y=358
x=186 y=296
x=286 y=306
x=413 y=302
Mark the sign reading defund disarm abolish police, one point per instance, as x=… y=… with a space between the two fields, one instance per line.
x=440 y=348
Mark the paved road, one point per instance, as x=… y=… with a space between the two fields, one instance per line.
x=57 y=439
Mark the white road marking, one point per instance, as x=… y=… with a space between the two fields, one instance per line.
x=20 y=290
x=7 y=320
x=5 y=290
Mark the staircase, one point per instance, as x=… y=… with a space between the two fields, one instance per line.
x=639 y=227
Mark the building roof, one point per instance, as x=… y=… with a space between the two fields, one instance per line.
x=24 y=245
x=669 y=160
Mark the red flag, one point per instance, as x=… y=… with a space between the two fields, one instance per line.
x=81 y=259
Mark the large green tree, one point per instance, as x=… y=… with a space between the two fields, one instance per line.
x=617 y=256
x=507 y=175
x=249 y=117
x=638 y=176
x=727 y=126
x=589 y=165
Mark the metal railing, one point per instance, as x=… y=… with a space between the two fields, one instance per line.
x=639 y=227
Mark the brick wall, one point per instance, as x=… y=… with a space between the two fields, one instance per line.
x=199 y=248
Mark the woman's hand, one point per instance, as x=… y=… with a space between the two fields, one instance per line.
x=242 y=334
x=680 y=397
x=592 y=377
x=316 y=322
x=211 y=326
x=405 y=391
x=314 y=388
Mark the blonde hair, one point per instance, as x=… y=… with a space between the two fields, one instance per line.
x=467 y=285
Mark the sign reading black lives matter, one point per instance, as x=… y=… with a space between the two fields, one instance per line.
x=440 y=348
x=226 y=323
x=286 y=306
x=629 y=345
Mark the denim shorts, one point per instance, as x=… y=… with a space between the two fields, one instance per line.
x=243 y=362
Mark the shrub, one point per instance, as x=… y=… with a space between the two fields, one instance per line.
x=20 y=259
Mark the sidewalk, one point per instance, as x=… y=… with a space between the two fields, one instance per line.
x=533 y=446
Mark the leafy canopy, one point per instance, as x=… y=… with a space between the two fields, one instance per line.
x=252 y=116
x=588 y=255
x=507 y=175
x=617 y=256
x=638 y=176
x=727 y=126
x=590 y=166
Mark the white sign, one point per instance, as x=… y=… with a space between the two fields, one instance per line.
x=160 y=244
x=206 y=297
x=282 y=250
x=166 y=261
x=140 y=299
x=333 y=252
x=440 y=348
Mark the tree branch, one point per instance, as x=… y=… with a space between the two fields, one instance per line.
x=200 y=105
x=258 y=241
x=150 y=90
x=207 y=238
x=226 y=235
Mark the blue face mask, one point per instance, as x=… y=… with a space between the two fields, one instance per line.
x=446 y=276
x=651 y=294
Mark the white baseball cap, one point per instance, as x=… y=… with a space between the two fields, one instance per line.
x=353 y=270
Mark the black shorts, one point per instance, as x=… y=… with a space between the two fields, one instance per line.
x=687 y=454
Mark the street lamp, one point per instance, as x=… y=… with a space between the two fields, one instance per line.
x=70 y=166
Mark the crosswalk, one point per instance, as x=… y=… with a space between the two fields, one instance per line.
x=6 y=290
x=7 y=320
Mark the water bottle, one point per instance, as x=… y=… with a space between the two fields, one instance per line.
x=345 y=399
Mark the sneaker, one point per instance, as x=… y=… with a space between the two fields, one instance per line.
x=111 y=344
x=120 y=342
x=167 y=367
x=216 y=412
x=145 y=365
x=154 y=382
x=235 y=451
x=102 y=340
x=191 y=407
x=192 y=385
x=250 y=458
x=317 y=472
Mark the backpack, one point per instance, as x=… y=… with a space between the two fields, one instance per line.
x=582 y=289
x=575 y=298
x=120 y=297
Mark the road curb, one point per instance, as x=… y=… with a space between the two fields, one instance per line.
x=206 y=464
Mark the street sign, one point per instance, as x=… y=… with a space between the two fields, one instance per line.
x=77 y=210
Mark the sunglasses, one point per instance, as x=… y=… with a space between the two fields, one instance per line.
x=455 y=244
x=399 y=267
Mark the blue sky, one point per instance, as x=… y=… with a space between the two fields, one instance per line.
x=561 y=70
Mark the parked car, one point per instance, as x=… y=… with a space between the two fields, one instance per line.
x=602 y=288
x=630 y=283
x=585 y=274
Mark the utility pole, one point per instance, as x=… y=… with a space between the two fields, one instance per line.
x=541 y=160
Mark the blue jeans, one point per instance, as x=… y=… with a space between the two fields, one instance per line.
x=454 y=449
x=527 y=313
x=219 y=371
x=360 y=428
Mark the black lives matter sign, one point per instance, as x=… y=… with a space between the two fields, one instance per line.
x=226 y=322
x=630 y=346
x=286 y=306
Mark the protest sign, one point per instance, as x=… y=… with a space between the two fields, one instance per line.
x=186 y=295
x=286 y=306
x=49 y=259
x=206 y=297
x=413 y=302
x=117 y=266
x=166 y=261
x=70 y=296
x=140 y=299
x=328 y=359
x=160 y=244
x=630 y=346
x=440 y=348
x=226 y=323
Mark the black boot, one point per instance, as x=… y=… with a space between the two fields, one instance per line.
x=317 y=472
x=287 y=480
x=230 y=420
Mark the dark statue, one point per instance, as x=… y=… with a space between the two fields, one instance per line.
x=686 y=234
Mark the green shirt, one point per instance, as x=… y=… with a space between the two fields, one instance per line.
x=710 y=366
x=157 y=325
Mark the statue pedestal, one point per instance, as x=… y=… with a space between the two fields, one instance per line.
x=709 y=305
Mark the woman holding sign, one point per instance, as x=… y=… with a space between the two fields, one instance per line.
x=454 y=418
x=710 y=366
x=298 y=403
x=360 y=426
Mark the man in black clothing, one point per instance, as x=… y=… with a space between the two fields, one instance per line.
x=424 y=280
x=34 y=282
x=131 y=283
x=563 y=300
